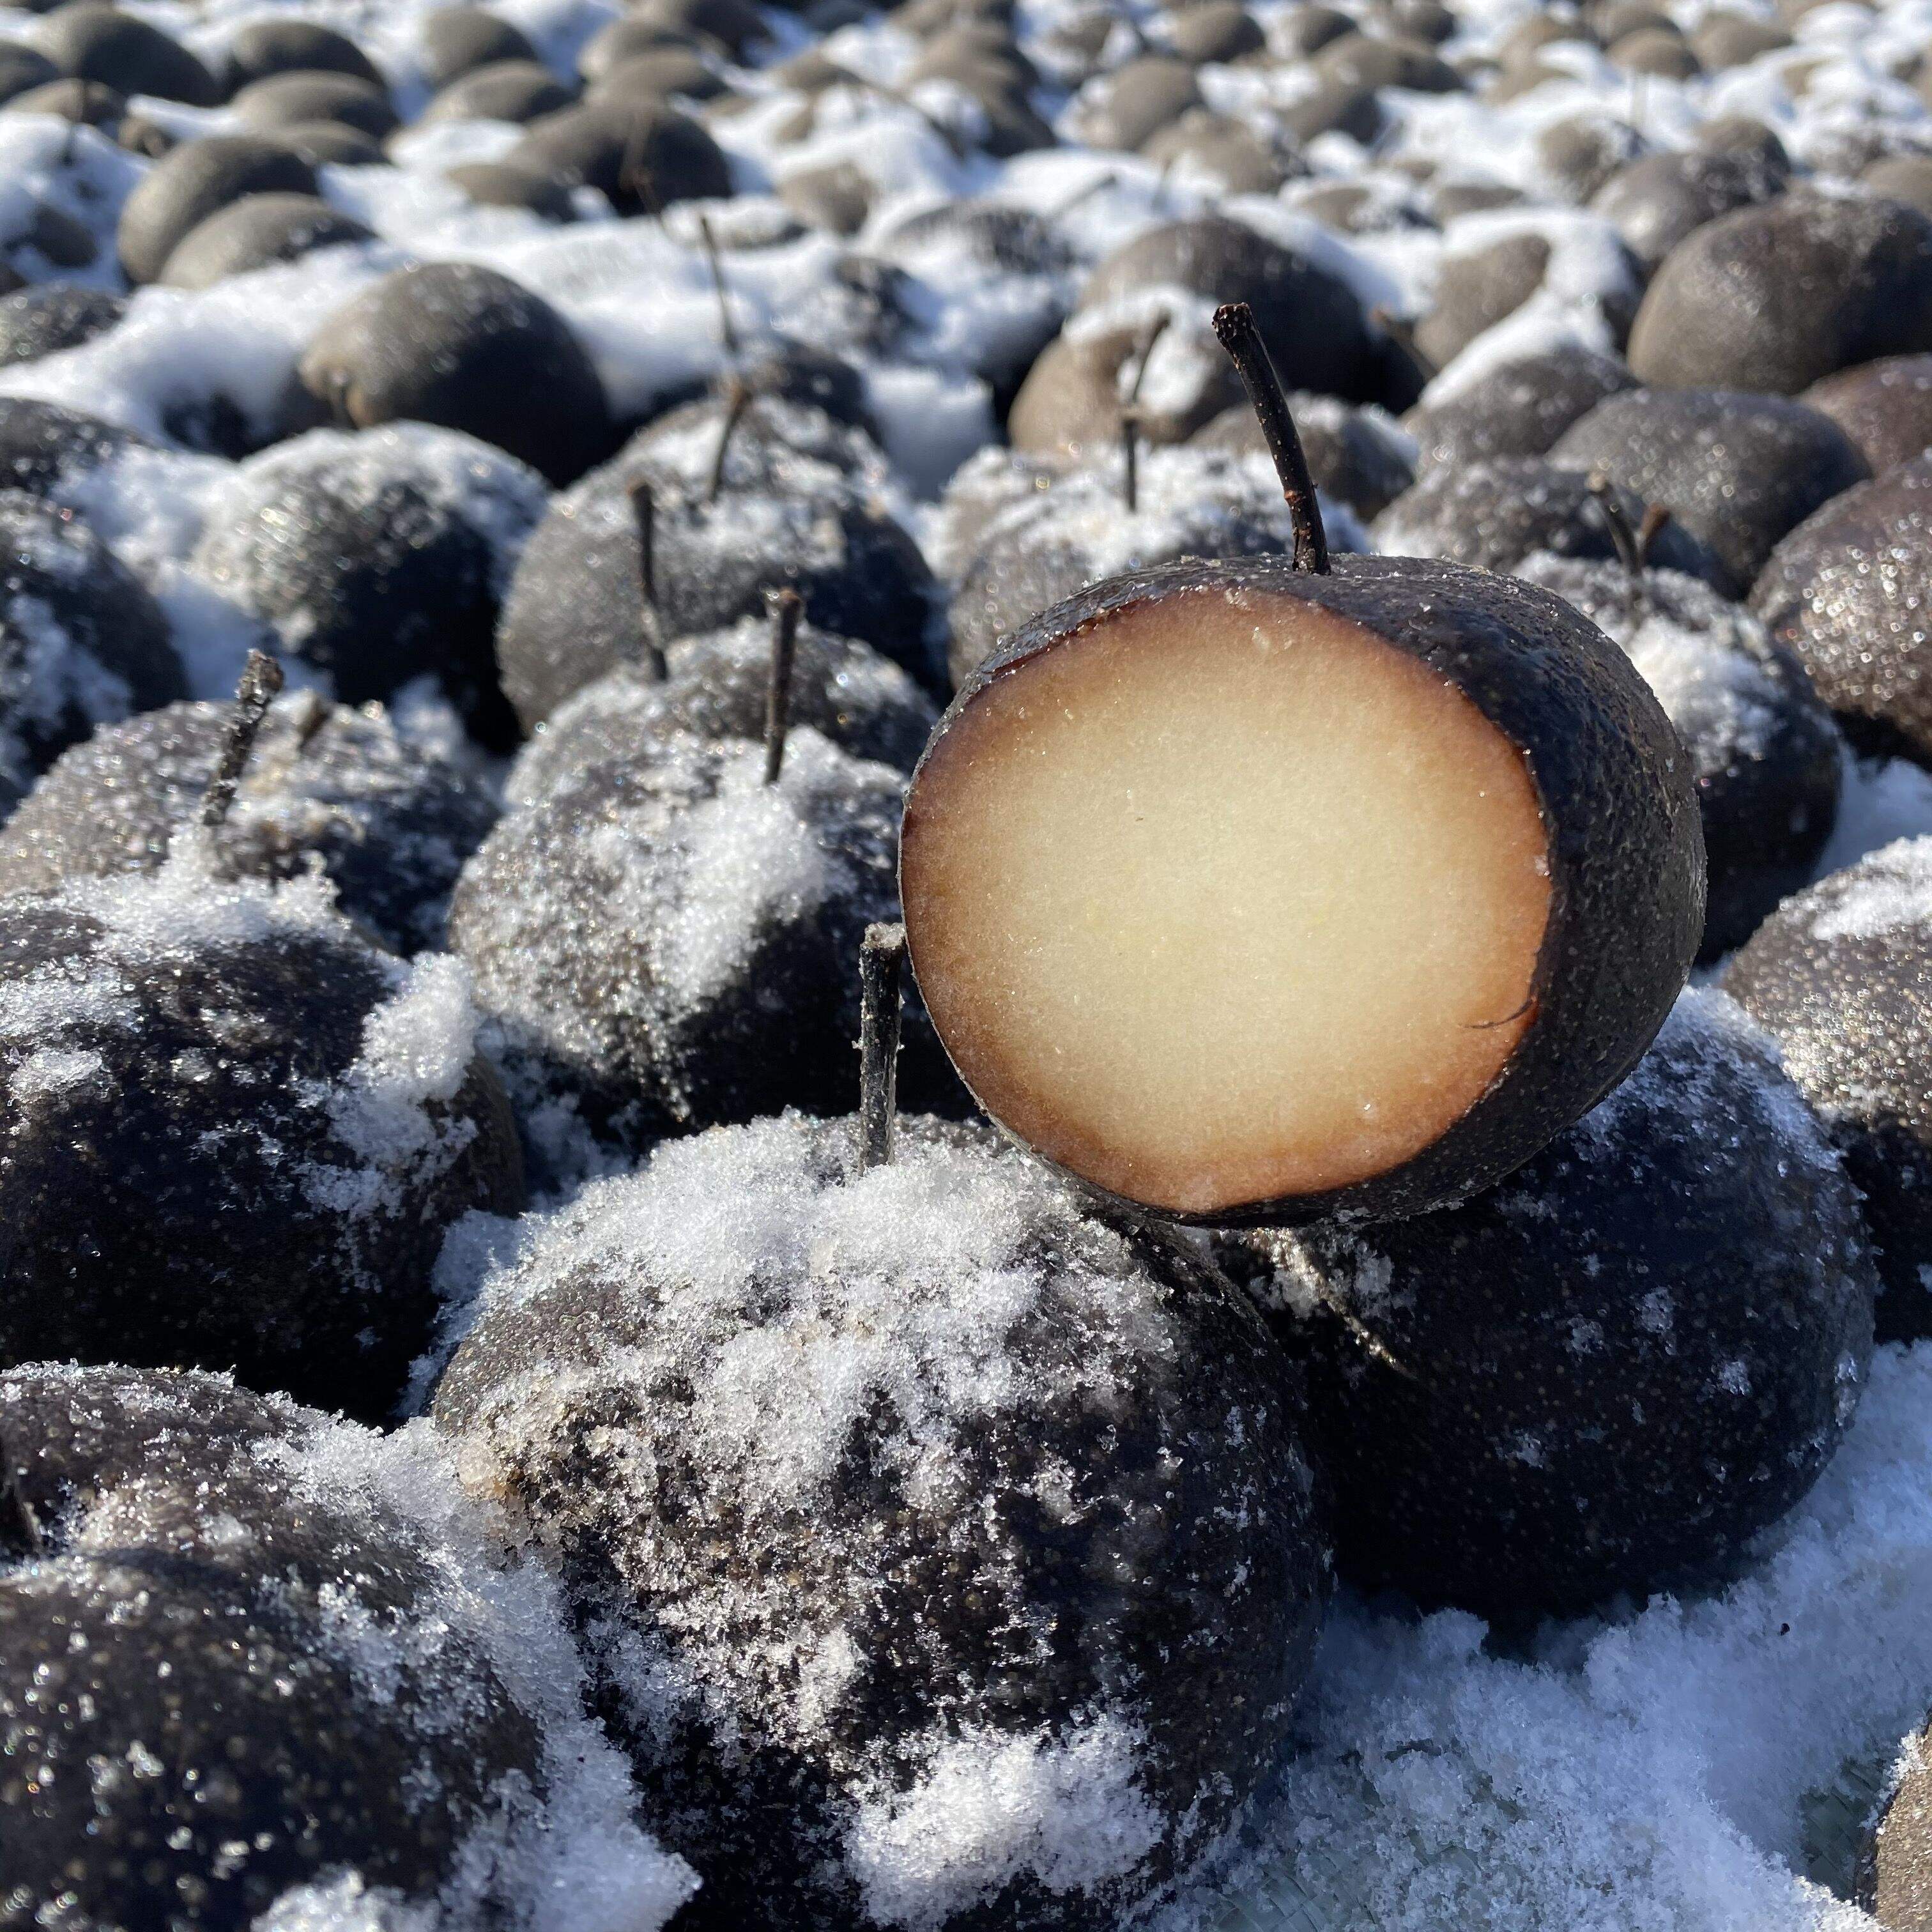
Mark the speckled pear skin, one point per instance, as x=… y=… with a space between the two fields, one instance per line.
x=1885 y=407
x=1849 y=592
x=1849 y=1012
x=45 y=317
x=1519 y=408
x=380 y=591
x=1493 y=513
x=44 y=445
x=456 y=343
x=205 y=1745
x=1660 y=198
x=1626 y=848
x=1737 y=472
x=1312 y=320
x=1354 y=456
x=158 y=1211
x=1771 y=299
x=1607 y=1375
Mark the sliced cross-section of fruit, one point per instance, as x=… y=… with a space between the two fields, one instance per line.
x=1249 y=891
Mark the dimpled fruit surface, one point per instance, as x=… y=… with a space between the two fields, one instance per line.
x=1228 y=898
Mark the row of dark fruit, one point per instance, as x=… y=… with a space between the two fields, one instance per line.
x=1340 y=905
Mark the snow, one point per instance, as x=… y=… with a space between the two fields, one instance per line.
x=417 y=1048
x=754 y=854
x=1588 y=278
x=875 y=1314
x=1691 y=1766
x=582 y=1864
x=988 y=482
x=176 y=352
x=189 y=904
x=784 y=448
x=1730 y=692
x=988 y=1808
x=1890 y=892
x=1700 y=1765
x=989 y=315
x=77 y=173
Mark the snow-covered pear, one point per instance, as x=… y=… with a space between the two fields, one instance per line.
x=235 y=1131
x=945 y=1556
x=1608 y=1375
x=257 y=1671
x=663 y=936
x=1837 y=975
x=389 y=820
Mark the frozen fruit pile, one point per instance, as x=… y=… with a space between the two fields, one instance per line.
x=966 y=967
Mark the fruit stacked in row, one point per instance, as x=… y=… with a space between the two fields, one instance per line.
x=945 y=1540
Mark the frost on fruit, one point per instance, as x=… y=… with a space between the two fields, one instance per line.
x=675 y=940
x=922 y=1568
x=274 y=1664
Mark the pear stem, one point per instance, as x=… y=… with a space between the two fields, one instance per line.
x=1624 y=540
x=727 y=334
x=881 y=960
x=1241 y=337
x=738 y=399
x=1130 y=420
x=261 y=680
x=785 y=606
x=644 y=512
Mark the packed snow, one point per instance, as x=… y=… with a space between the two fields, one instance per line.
x=1700 y=1765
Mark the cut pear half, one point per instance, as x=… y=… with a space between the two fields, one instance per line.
x=1224 y=899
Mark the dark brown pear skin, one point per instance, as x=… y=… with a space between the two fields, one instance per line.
x=1615 y=790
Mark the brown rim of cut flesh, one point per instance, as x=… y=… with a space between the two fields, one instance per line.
x=1225 y=900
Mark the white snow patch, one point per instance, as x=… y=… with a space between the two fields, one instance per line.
x=987 y=1808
